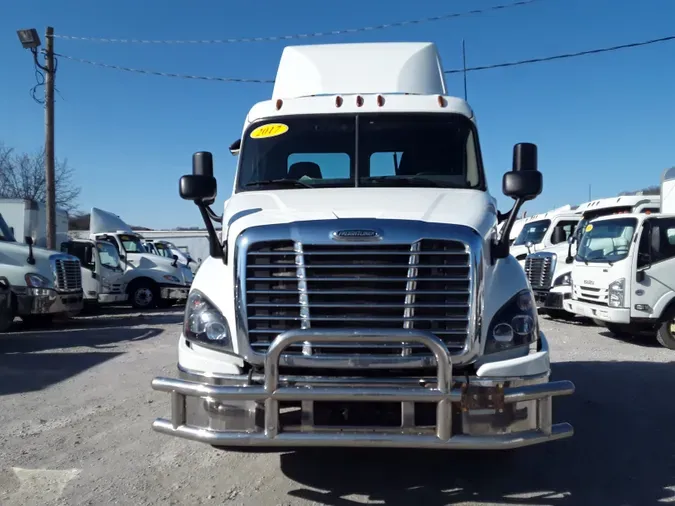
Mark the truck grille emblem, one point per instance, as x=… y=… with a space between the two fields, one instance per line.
x=356 y=235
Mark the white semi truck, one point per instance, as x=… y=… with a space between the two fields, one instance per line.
x=549 y=270
x=360 y=295
x=544 y=230
x=43 y=283
x=151 y=280
x=102 y=272
x=623 y=274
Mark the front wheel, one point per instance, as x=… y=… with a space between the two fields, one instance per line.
x=665 y=334
x=143 y=295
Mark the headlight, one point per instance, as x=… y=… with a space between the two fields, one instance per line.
x=515 y=324
x=37 y=281
x=616 y=293
x=564 y=280
x=171 y=278
x=204 y=323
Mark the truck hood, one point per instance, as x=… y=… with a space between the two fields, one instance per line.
x=150 y=261
x=15 y=254
x=599 y=275
x=473 y=208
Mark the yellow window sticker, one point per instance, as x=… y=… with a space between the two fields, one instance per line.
x=269 y=130
x=589 y=227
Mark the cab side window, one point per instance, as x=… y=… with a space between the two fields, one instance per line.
x=567 y=228
x=662 y=240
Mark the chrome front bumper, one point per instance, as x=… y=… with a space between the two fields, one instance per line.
x=43 y=301
x=174 y=292
x=481 y=413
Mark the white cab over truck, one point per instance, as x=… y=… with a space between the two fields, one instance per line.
x=360 y=295
x=624 y=270
x=102 y=271
x=544 y=230
x=549 y=270
x=44 y=283
x=151 y=280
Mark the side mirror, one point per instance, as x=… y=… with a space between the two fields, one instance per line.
x=524 y=182
x=202 y=188
x=235 y=147
x=570 y=239
x=28 y=240
x=175 y=260
x=523 y=186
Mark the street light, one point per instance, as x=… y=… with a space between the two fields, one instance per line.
x=29 y=38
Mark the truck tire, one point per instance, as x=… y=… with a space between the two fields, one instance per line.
x=665 y=334
x=6 y=305
x=37 y=320
x=559 y=314
x=143 y=294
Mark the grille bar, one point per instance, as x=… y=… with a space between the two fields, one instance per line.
x=539 y=270
x=67 y=275
x=424 y=285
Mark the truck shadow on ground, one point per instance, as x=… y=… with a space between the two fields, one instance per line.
x=108 y=317
x=24 y=367
x=621 y=454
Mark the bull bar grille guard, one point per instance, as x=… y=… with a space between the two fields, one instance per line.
x=443 y=394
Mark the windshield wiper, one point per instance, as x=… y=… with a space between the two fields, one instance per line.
x=406 y=180
x=282 y=181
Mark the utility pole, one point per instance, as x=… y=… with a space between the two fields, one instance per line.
x=30 y=39
x=49 y=139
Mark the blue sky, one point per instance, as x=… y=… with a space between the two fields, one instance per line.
x=605 y=120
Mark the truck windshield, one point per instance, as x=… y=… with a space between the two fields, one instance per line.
x=5 y=233
x=132 y=243
x=163 y=250
x=108 y=255
x=533 y=232
x=321 y=151
x=606 y=241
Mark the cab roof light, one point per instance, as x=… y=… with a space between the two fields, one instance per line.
x=380 y=100
x=359 y=101
x=441 y=101
x=338 y=101
x=279 y=103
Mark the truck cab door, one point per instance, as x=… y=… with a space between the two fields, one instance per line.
x=654 y=283
x=83 y=250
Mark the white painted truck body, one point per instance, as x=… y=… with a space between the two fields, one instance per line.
x=318 y=296
x=28 y=218
x=624 y=270
x=102 y=272
x=549 y=270
x=538 y=232
x=150 y=279
x=44 y=283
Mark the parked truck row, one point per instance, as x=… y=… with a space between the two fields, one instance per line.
x=110 y=266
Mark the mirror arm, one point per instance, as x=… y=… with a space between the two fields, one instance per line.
x=500 y=248
x=213 y=215
x=216 y=249
x=503 y=216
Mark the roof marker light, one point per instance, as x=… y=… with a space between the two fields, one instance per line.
x=441 y=101
x=338 y=101
x=279 y=104
x=380 y=100
x=359 y=101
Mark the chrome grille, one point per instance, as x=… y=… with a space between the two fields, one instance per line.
x=422 y=285
x=539 y=270
x=67 y=275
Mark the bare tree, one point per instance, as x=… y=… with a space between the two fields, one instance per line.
x=22 y=176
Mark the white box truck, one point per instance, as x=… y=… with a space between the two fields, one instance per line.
x=549 y=270
x=28 y=218
x=623 y=274
x=360 y=295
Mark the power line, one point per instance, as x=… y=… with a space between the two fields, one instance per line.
x=452 y=71
x=166 y=74
x=563 y=56
x=385 y=26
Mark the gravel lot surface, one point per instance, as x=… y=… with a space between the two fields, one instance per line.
x=76 y=408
